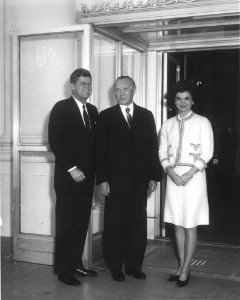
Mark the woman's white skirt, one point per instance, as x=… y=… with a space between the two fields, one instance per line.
x=187 y=206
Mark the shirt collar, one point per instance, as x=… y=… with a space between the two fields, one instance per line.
x=188 y=115
x=130 y=106
x=79 y=104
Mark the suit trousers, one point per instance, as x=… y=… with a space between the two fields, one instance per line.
x=125 y=230
x=72 y=219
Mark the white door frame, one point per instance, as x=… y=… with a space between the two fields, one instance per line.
x=33 y=247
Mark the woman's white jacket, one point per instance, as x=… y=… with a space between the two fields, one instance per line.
x=186 y=142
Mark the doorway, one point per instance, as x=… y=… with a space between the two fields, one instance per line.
x=216 y=77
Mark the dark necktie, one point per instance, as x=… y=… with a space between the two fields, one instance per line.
x=129 y=117
x=86 y=118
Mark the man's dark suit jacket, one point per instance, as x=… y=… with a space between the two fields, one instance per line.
x=72 y=146
x=125 y=155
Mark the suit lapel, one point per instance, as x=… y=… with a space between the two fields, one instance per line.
x=136 y=116
x=120 y=117
x=90 y=115
x=76 y=113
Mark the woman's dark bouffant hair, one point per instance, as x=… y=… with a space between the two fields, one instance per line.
x=179 y=87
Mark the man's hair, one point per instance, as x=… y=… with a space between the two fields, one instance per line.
x=78 y=73
x=128 y=78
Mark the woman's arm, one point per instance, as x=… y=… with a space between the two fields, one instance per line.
x=206 y=139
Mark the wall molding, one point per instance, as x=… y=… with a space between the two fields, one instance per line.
x=110 y=6
x=121 y=12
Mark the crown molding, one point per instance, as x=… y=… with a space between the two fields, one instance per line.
x=109 y=6
x=121 y=12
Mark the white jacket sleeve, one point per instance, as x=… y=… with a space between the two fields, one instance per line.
x=163 y=148
x=206 y=136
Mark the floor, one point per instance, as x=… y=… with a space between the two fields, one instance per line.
x=215 y=275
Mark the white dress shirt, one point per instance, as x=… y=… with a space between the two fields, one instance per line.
x=80 y=106
x=123 y=109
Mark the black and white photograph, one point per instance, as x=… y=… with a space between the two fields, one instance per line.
x=120 y=149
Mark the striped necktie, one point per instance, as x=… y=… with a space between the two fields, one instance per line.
x=86 y=118
x=129 y=117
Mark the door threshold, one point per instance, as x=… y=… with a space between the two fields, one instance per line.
x=201 y=243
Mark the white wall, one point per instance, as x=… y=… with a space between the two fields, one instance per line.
x=34 y=14
x=20 y=15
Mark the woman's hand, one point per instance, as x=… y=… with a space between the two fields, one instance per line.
x=186 y=177
x=174 y=176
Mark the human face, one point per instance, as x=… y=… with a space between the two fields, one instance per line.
x=124 y=91
x=82 y=89
x=183 y=102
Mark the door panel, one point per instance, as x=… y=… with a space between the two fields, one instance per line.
x=37 y=193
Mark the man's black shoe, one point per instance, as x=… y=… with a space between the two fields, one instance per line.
x=84 y=272
x=68 y=279
x=136 y=274
x=118 y=276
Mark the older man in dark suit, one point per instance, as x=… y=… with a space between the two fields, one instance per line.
x=72 y=133
x=127 y=167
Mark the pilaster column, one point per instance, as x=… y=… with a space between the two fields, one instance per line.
x=153 y=103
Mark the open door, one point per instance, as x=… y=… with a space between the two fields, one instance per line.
x=43 y=61
x=172 y=72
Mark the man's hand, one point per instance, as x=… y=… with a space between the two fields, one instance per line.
x=104 y=188
x=77 y=175
x=152 y=186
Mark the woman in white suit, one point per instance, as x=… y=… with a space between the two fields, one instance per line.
x=186 y=146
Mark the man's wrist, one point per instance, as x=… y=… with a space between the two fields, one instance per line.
x=73 y=168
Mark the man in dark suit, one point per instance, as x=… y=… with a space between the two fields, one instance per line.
x=72 y=138
x=127 y=168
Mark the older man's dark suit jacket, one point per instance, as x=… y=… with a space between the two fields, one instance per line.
x=125 y=155
x=128 y=160
x=72 y=145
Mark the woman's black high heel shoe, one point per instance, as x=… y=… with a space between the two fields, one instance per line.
x=173 y=277
x=182 y=283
